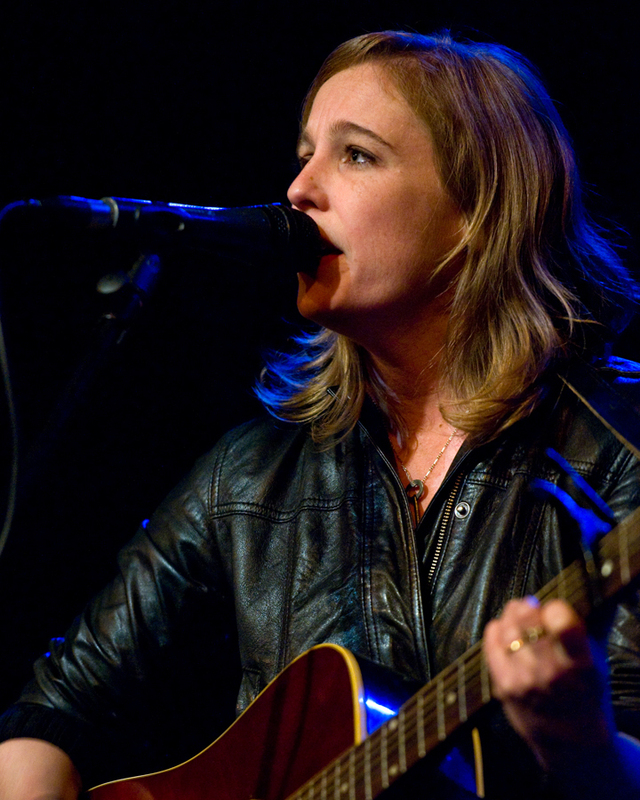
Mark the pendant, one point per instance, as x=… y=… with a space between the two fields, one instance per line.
x=415 y=489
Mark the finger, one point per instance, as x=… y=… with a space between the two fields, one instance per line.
x=520 y=624
x=526 y=622
x=564 y=625
x=511 y=643
x=531 y=645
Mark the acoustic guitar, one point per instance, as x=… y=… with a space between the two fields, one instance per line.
x=309 y=735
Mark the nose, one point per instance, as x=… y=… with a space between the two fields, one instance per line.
x=307 y=190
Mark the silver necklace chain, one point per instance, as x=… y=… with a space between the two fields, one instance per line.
x=416 y=488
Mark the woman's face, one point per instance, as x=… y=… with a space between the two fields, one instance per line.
x=369 y=181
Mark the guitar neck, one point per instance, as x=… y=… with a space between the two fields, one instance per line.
x=464 y=687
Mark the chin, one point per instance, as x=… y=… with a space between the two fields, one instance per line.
x=316 y=298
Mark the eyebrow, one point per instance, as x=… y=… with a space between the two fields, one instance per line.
x=344 y=127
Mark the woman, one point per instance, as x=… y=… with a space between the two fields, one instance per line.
x=389 y=511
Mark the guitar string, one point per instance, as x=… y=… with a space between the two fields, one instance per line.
x=410 y=731
x=569 y=583
x=410 y=739
x=360 y=771
x=448 y=680
x=570 y=580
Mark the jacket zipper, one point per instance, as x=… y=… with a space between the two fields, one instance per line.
x=446 y=516
x=411 y=539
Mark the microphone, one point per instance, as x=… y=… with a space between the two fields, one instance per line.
x=250 y=234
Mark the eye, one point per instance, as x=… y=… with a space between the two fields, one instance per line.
x=303 y=159
x=356 y=155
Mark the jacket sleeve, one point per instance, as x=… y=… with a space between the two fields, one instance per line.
x=131 y=688
x=623 y=641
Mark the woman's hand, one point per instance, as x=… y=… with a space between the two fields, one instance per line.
x=544 y=674
x=553 y=690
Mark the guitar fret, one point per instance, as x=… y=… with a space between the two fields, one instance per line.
x=462 y=693
x=562 y=585
x=442 y=735
x=484 y=680
x=323 y=786
x=422 y=750
x=367 y=770
x=383 y=757
x=352 y=775
x=337 y=781
x=402 y=753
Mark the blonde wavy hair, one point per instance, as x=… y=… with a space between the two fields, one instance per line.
x=538 y=283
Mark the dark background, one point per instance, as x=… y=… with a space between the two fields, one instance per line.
x=198 y=103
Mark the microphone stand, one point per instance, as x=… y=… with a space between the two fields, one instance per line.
x=131 y=292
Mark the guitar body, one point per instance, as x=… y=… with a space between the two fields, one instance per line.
x=310 y=714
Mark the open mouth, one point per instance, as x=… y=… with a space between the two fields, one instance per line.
x=328 y=249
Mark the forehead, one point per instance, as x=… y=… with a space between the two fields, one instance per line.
x=365 y=95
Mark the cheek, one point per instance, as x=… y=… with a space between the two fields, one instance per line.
x=397 y=236
x=393 y=215
x=437 y=229
x=377 y=231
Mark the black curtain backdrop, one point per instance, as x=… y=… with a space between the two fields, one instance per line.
x=198 y=103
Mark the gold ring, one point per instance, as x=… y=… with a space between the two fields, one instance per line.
x=530 y=636
x=533 y=634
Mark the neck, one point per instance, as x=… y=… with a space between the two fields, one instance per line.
x=424 y=443
x=409 y=369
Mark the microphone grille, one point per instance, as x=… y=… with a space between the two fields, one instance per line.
x=296 y=238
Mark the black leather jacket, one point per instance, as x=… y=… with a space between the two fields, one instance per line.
x=271 y=546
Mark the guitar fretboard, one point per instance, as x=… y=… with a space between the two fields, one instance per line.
x=464 y=687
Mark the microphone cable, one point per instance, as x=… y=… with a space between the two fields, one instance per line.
x=12 y=488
